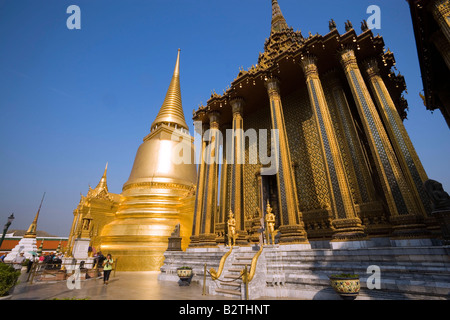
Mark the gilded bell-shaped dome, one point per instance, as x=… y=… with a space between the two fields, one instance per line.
x=159 y=193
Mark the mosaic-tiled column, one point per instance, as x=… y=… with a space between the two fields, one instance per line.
x=441 y=13
x=199 y=196
x=406 y=220
x=208 y=236
x=346 y=223
x=404 y=149
x=367 y=205
x=224 y=198
x=443 y=46
x=238 y=158
x=292 y=227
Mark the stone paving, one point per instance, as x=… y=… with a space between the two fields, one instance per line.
x=122 y=286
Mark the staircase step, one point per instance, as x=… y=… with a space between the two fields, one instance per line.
x=230 y=284
x=232 y=276
x=243 y=264
x=228 y=291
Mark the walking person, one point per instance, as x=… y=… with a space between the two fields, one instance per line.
x=99 y=263
x=30 y=263
x=107 y=267
x=17 y=261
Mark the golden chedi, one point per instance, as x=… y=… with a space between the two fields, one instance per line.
x=159 y=193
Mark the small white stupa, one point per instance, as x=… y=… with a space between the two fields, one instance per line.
x=27 y=244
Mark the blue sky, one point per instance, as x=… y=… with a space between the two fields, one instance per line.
x=72 y=100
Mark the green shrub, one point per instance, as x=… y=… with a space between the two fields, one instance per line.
x=8 y=278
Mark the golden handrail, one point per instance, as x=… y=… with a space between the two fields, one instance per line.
x=215 y=275
x=249 y=276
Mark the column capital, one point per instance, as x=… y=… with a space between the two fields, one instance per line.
x=370 y=66
x=214 y=117
x=272 y=84
x=237 y=105
x=309 y=65
x=347 y=56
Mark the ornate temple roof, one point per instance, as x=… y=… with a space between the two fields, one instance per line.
x=283 y=51
x=99 y=192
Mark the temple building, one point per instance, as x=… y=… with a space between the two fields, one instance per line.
x=307 y=171
x=431 y=23
x=101 y=205
x=134 y=226
x=347 y=173
x=314 y=130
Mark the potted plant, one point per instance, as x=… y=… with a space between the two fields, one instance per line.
x=185 y=275
x=346 y=285
x=8 y=279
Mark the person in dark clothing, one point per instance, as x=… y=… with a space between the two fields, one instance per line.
x=30 y=263
x=100 y=259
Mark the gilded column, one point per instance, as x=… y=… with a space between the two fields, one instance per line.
x=292 y=226
x=367 y=206
x=207 y=235
x=238 y=158
x=346 y=223
x=406 y=221
x=443 y=46
x=406 y=154
x=441 y=13
x=199 y=197
x=224 y=192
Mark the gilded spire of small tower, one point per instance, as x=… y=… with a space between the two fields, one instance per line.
x=102 y=183
x=172 y=110
x=31 y=232
x=278 y=21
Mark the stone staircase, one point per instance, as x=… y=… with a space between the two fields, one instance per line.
x=285 y=271
x=421 y=272
x=230 y=283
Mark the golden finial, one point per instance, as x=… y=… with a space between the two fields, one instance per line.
x=172 y=110
x=31 y=232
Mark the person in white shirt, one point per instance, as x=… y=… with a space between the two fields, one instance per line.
x=17 y=261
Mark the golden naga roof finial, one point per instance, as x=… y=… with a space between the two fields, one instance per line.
x=172 y=110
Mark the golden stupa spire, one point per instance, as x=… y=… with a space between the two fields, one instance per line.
x=31 y=232
x=278 y=21
x=172 y=110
